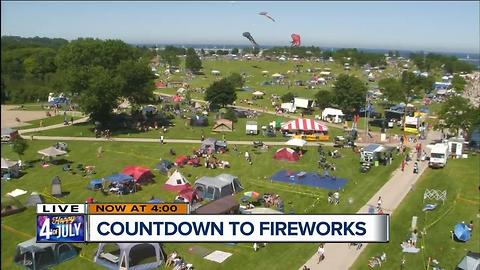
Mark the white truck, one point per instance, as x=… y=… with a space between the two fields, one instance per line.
x=438 y=155
x=303 y=103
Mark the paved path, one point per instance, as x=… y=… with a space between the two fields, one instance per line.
x=339 y=256
x=149 y=140
x=23 y=131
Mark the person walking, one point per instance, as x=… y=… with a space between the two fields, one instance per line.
x=415 y=168
x=161 y=139
x=403 y=165
x=379 y=202
x=321 y=253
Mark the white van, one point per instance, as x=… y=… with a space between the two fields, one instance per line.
x=438 y=155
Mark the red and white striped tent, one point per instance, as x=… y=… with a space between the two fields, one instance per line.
x=303 y=124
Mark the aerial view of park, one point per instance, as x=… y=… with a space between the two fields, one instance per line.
x=244 y=107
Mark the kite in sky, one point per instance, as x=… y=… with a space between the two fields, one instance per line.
x=264 y=13
x=295 y=40
x=249 y=36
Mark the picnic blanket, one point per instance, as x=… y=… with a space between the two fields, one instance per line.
x=17 y=192
x=218 y=256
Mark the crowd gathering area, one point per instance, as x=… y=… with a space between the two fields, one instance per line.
x=435 y=226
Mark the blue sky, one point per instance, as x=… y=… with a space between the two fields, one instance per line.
x=431 y=26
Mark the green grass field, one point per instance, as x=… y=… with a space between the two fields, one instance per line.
x=183 y=130
x=460 y=179
x=298 y=199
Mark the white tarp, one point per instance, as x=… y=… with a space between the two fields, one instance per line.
x=17 y=192
x=218 y=256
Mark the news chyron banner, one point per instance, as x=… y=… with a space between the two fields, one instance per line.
x=173 y=223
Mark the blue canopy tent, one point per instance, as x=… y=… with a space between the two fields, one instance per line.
x=124 y=181
x=119 y=178
x=462 y=232
x=95 y=184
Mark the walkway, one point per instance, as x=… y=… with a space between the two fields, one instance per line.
x=339 y=256
x=148 y=140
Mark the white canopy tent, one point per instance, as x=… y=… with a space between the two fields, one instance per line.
x=258 y=93
x=181 y=90
x=52 y=152
x=296 y=142
x=277 y=75
x=7 y=164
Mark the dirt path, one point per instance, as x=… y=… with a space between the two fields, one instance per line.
x=9 y=116
x=340 y=256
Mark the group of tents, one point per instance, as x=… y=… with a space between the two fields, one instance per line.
x=211 y=188
x=130 y=176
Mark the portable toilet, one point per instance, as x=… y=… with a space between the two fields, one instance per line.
x=56 y=187
x=455 y=147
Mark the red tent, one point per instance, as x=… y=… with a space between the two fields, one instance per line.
x=189 y=194
x=181 y=160
x=286 y=154
x=177 y=99
x=139 y=174
x=159 y=85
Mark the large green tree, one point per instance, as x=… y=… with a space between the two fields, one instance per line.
x=392 y=90
x=102 y=73
x=349 y=93
x=220 y=93
x=19 y=146
x=458 y=83
x=324 y=99
x=192 y=61
x=458 y=114
x=236 y=79
x=287 y=97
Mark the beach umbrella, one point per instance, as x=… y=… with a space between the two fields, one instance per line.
x=252 y=194
x=462 y=232
x=258 y=93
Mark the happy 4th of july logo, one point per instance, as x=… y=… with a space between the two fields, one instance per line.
x=52 y=228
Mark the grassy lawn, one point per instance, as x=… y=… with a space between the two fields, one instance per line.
x=298 y=199
x=30 y=107
x=460 y=179
x=48 y=121
x=253 y=69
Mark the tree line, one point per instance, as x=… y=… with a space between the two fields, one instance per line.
x=30 y=67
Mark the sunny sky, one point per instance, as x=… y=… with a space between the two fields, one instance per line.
x=430 y=26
